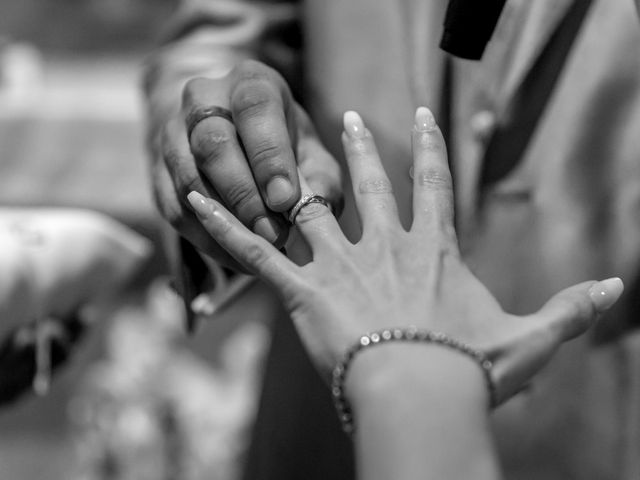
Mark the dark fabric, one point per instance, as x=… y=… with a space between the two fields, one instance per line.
x=510 y=140
x=469 y=25
x=18 y=357
x=192 y=278
x=297 y=434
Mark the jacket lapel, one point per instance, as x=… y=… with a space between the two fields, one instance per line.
x=424 y=62
x=541 y=21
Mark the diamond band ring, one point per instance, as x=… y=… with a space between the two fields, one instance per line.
x=304 y=201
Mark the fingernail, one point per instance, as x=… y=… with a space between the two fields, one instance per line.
x=202 y=205
x=353 y=125
x=424 y=120
x=267 y=229
x=279 y=191
x=605 y=293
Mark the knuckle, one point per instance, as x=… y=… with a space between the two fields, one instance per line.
x=254 y=255
x=375 y=185
x=267 y=155
x=239 y=195
x=211 y=145
x=251 y=98
x=435 y=177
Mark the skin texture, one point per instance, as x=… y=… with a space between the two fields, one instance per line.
x=249 y=164
x=391 y=278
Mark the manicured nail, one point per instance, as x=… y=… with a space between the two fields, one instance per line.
x=279 y=191
x=605 y=293
x=267 y=228
x=353 y=125
x=424 y=120
x=202 y=205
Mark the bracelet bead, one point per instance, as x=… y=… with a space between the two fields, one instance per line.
x=408 y=334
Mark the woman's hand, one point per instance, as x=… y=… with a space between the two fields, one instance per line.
x=395 y=278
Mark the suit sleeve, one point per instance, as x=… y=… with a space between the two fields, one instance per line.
x=208 y=38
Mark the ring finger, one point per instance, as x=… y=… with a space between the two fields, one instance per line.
x=317 y=224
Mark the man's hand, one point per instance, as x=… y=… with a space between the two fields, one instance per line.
x=249 y=162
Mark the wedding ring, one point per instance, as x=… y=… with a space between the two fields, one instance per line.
x=198 y=114
x=303 y=202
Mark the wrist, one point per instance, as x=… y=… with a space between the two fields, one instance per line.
x=420 y=407
x=407 y=373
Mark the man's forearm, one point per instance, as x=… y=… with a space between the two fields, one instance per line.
x=208 y=38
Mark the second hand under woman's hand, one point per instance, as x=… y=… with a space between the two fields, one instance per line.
x=394 y=278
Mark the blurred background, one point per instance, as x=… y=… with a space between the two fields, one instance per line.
x=71 y=135
x=71 y=114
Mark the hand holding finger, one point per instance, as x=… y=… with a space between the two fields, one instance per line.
x=315 y=221
x=404 y=280
x=262 y=106
x=251 y=251
x=220 y=157
x=182 y=218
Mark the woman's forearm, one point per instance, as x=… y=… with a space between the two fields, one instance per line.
x=420 y=412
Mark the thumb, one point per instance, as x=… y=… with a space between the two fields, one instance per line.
x=573 y=310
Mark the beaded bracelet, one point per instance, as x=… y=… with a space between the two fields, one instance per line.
x=409 y=334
